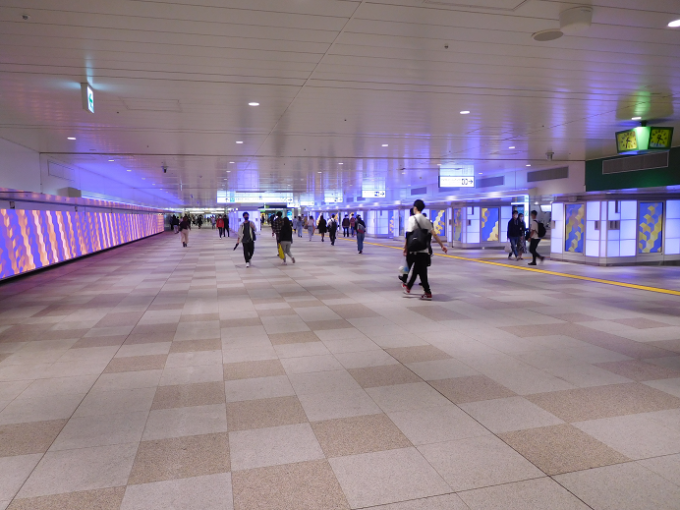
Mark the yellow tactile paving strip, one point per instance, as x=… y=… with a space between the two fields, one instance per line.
x=544 y=271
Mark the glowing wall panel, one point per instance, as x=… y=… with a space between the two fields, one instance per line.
x=490 y=225
x=439 y=222
x=650 y=230
x=574 y=228
x=672 y=246
x=31 y=239
x=457 y=224
x=557 y=234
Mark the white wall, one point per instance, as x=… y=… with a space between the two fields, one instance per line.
x=19 y=167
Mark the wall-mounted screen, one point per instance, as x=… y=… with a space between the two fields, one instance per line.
x=452 y=181
x=372 y=194
x=31 y=239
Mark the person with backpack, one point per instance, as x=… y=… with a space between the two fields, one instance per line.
x=286 y=239
x=419 y=234
x=184 y=227
x=323 y=227
x=247 y=237
x=537 y=233
x=360 y=227
x=352 y=224
x=332 y=229
x=345 y=226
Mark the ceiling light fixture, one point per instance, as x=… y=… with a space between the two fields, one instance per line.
x=511 y=147
x=71 y=137
x=636 y=118
x=465 y=112
x=385 y=145
x=253 y=104
x=228 y=171
x=111 y=160
x=340 y=163
x=239 y=142
x=319 y=172
x=129 y=170
x=528 y=165
x=674 y=24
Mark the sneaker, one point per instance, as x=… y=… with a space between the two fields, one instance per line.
x=285 y=263
x=510 y=256
x=426 y=297
x=531 y=264
x=247 y=264
x=292 y=260
x=407 y=291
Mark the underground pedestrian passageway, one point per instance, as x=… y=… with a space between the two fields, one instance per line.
x=153 y=376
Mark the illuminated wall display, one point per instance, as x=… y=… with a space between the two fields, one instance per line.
x=31 y=239
x=372 y=194
x=451 y=181
x=457 y=224
x=88 y=97
x=644 y=138
x=244 y=197
x=650 y=231
x=221 y=197
x=490 y=224
x=574 y=228
x=333 y=196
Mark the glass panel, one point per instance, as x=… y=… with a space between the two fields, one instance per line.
x=490 y=224
x=650 y=231
x=574 y=228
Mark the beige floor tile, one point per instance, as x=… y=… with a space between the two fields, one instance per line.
x=100 y=341
x=101 y=499
x=339 y=404
x=257 y=388
x=185 y=421
x=355 y=311
x=668 y=467
x=188 y=395
x=274 y=446
x=417 y=354
x=80 y=470
x=302 y=486
x=638 y=370
x=670 y=386
x=396 y=339
x=475 y=388
x=13 y=473
x=253 y=369
x=322 y=382
x=181 y=457
x=445 y=502
x=78 y=385
x=360 y=434
x=638 y=436
x=354 y=346
x=406 y=397
x=604 y=401
x=386 y=477
x=211 y=492
x=539 y=494
x=386 y=375
x=194 y=359
x=211 y=344
x=54 y=407
x=116 y=401
x=623 y=487
x=101 y=430
x=309 y=364
x=293 y=338
x=441 y=369
x=12 y=389
x=477 y=462
x=243 y=354
x=265 y=413
x=508 y=414
x=299 y=350
x=127 y=381
x=136 y=363
x=147 y=337
x=585 y=375
x=191 y=375
x=29 y=438
x=562 y=449
x=436 y=424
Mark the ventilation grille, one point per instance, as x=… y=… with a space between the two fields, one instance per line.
x=419 y=191
x=548 y=175
x=635 y=163
x=491 y=181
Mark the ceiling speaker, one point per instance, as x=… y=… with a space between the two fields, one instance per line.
x=547 y=35
x=576 y=19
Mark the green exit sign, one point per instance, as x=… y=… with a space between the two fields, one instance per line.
x=88 y=97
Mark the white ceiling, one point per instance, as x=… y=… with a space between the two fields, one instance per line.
x=335 y=79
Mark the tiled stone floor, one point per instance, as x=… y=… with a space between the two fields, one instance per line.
x=156 y=377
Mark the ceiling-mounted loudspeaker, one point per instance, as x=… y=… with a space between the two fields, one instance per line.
x=547 y=35
x=576 y=19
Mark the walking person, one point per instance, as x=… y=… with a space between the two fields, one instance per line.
x=226 y=224
x=361 y=233
x=184 y=227
x=246 y=236
x=537 y=233
x=345 y=226
x=522 y=246
x=419 y=234
x=322 y=226
x=200 y=221
x=332 y=229
x=514 y=234
x=352 y=224
x=300 y=226
x=310 y=227
x=286 y=239
x=220 y=226
x=174 y=223
x=277 y=223
x=213 y=221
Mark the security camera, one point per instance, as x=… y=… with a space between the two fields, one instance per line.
x=549 y=155
x=165 y=169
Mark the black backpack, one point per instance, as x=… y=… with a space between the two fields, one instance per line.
x=541 y=230
x=419 y=239
x=248 y=235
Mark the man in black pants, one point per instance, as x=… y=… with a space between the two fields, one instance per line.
x=419 y=227
x=332 y=227
x=535 y=239
x=246 y=236
x=345 y=226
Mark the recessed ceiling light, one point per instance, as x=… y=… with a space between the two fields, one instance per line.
x=253 y=104
x=528 y=165
x=674 y=24
x=71 y=137
x=340 y=163
x=231 y=162
x=144 y=178
x=464 y=112
x=111 y=160
x=385 y=145
x=481 y=173
x=636 y=118
x=239 y=142
x=228 y=171
x=129 y=170
x=511 y=147
x=319 y=172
